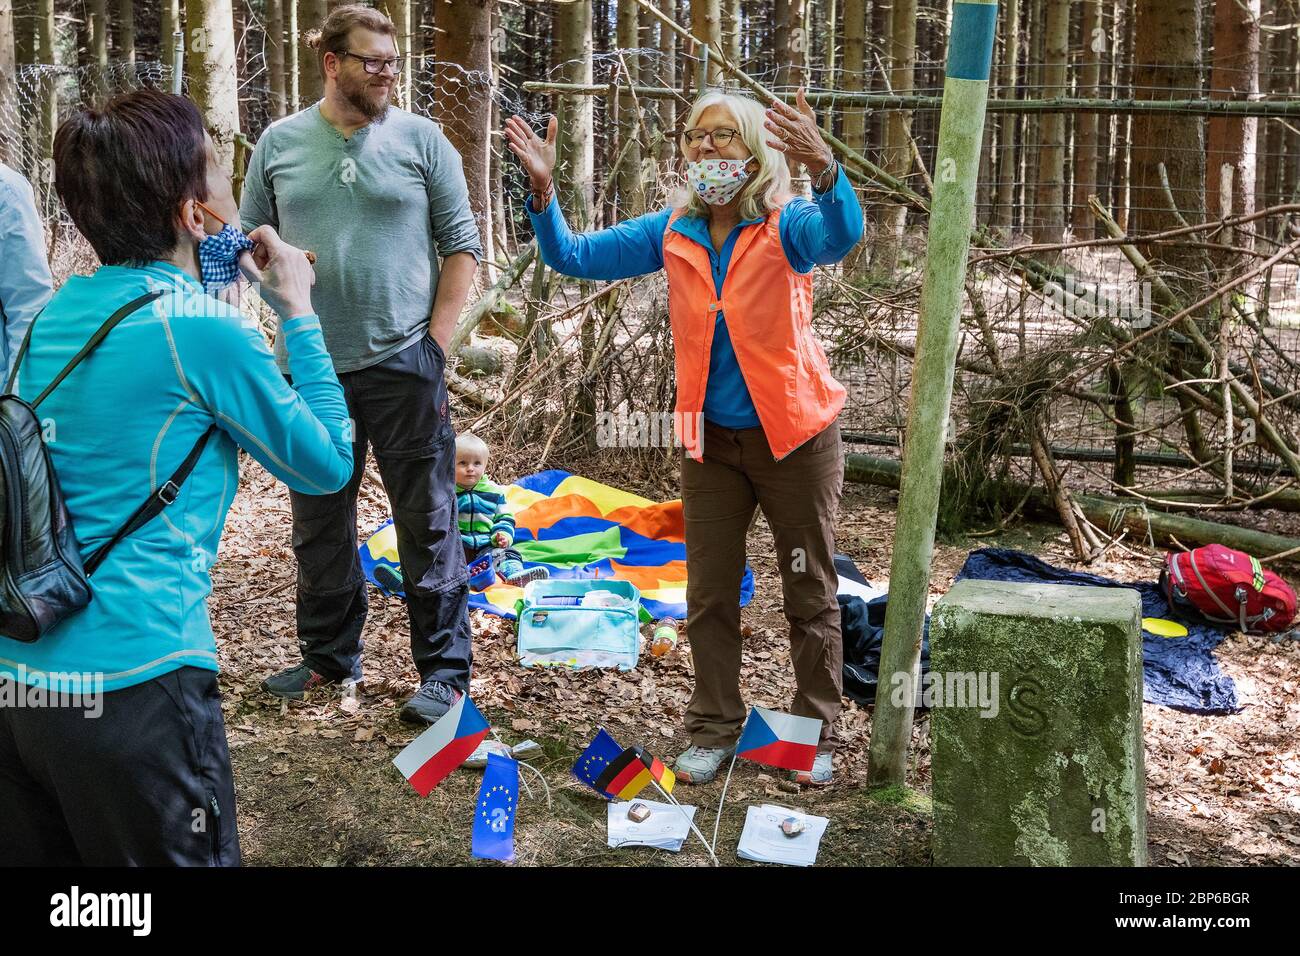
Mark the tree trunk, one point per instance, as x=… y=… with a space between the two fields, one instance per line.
x=496 y=170
x=1049 y=225
x=44 y=154
x=731 y=30
x=275 y=55
x=631 y=195
x=10 y=144
x=854 y=71
x=311 y=85
x=399 y=11
x=169 y=21
x=575 y=166
x=781 y=40
x=1122 y=168
x=706 y=26
x=99 y=41
x=797 y=15
x=462 y=45
x=1093 y=43
x=126 y=36
x=829 y=58
x=668 y=74
x=898 y=130
x=292 y=57
x=210 y=72
x=1234 y=74
x=1167 y=58
x=1008 y=122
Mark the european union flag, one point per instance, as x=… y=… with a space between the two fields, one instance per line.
x=600 y=753
x=494 y=813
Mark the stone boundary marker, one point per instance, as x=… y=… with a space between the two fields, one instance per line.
x=1053 y=774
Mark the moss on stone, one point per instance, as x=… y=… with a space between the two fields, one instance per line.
x=904 y=797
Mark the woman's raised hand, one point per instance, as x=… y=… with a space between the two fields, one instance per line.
x=795 y=133
x=537 y=155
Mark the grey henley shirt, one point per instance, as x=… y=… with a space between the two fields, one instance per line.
x=378 y=209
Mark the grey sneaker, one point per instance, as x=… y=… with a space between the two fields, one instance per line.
x=430 y=703
x=295 y=682
x=820 y=775
x=700 y=764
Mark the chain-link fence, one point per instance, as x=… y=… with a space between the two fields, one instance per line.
x=1053 y=301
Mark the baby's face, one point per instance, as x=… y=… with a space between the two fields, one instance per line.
x=469 y=468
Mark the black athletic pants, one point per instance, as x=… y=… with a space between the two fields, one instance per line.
x=146 y=781
x=400 y=407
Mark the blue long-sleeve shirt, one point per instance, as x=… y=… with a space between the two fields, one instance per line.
x=813 y=233
x=25 y=283
x=123 y=421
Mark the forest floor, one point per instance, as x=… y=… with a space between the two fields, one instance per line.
x=316 y=785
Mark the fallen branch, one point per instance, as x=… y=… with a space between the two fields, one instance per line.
x=1110 y=513
x=490 y=299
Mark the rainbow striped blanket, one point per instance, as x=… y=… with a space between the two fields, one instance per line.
x=579 y=528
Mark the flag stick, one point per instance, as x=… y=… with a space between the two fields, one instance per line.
x=545 y=786
x=689 y=822
x=717 y=820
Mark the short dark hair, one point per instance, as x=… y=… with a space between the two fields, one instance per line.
x=122 y=170
x=332 y=37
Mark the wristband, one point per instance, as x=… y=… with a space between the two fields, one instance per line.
x=544 y=197
x=833 y=170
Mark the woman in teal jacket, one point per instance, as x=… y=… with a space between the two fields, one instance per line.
x=131 y=766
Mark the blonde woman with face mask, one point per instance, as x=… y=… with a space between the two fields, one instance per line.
x=756 y=402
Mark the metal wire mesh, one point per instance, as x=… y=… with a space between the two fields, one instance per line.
x=614 y=351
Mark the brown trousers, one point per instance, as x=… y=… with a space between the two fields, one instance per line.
x=800 y=496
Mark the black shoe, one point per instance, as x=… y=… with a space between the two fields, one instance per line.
x=295 y=682
x=430 y=703
x=388 y=579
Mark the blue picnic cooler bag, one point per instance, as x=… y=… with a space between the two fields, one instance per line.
x=584 y=623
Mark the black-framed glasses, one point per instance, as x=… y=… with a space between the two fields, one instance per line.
x=721 y=136
x=376 y=64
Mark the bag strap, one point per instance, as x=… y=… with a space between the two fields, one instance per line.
x=100 y=334
x=154 y=504
x=1231 y=618
x=22 y=350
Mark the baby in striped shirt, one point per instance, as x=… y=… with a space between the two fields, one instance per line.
x=487 y=525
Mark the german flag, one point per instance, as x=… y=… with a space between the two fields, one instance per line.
x=631 y=772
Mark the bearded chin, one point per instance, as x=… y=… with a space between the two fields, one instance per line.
x=366 y=105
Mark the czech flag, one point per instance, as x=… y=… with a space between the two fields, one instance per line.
x=631 y=772
x=780 y=740
x=442 y=748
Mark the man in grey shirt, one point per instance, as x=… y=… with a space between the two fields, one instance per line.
x=379 y=195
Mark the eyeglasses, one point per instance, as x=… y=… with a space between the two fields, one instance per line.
x=720 y=136
x=376 y=64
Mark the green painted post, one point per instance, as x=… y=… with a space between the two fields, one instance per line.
x=961 y=131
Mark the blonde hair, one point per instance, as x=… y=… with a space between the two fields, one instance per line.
x=769 y=185
x=468 y=442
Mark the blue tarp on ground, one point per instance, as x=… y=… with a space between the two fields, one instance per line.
x=1178 y=672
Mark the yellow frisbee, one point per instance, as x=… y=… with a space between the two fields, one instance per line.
x=1162 y=628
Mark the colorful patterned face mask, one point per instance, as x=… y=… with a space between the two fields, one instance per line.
x=716 y=181
x=219 y=258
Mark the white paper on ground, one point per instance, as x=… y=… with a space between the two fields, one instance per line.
x=665 y=829
x=868 y=592
x=763 y=841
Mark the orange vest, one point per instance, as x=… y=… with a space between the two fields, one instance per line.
x=768 y=307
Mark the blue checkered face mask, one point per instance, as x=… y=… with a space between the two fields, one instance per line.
x=219 y=258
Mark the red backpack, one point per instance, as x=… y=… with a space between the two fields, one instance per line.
x=1228 y=587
